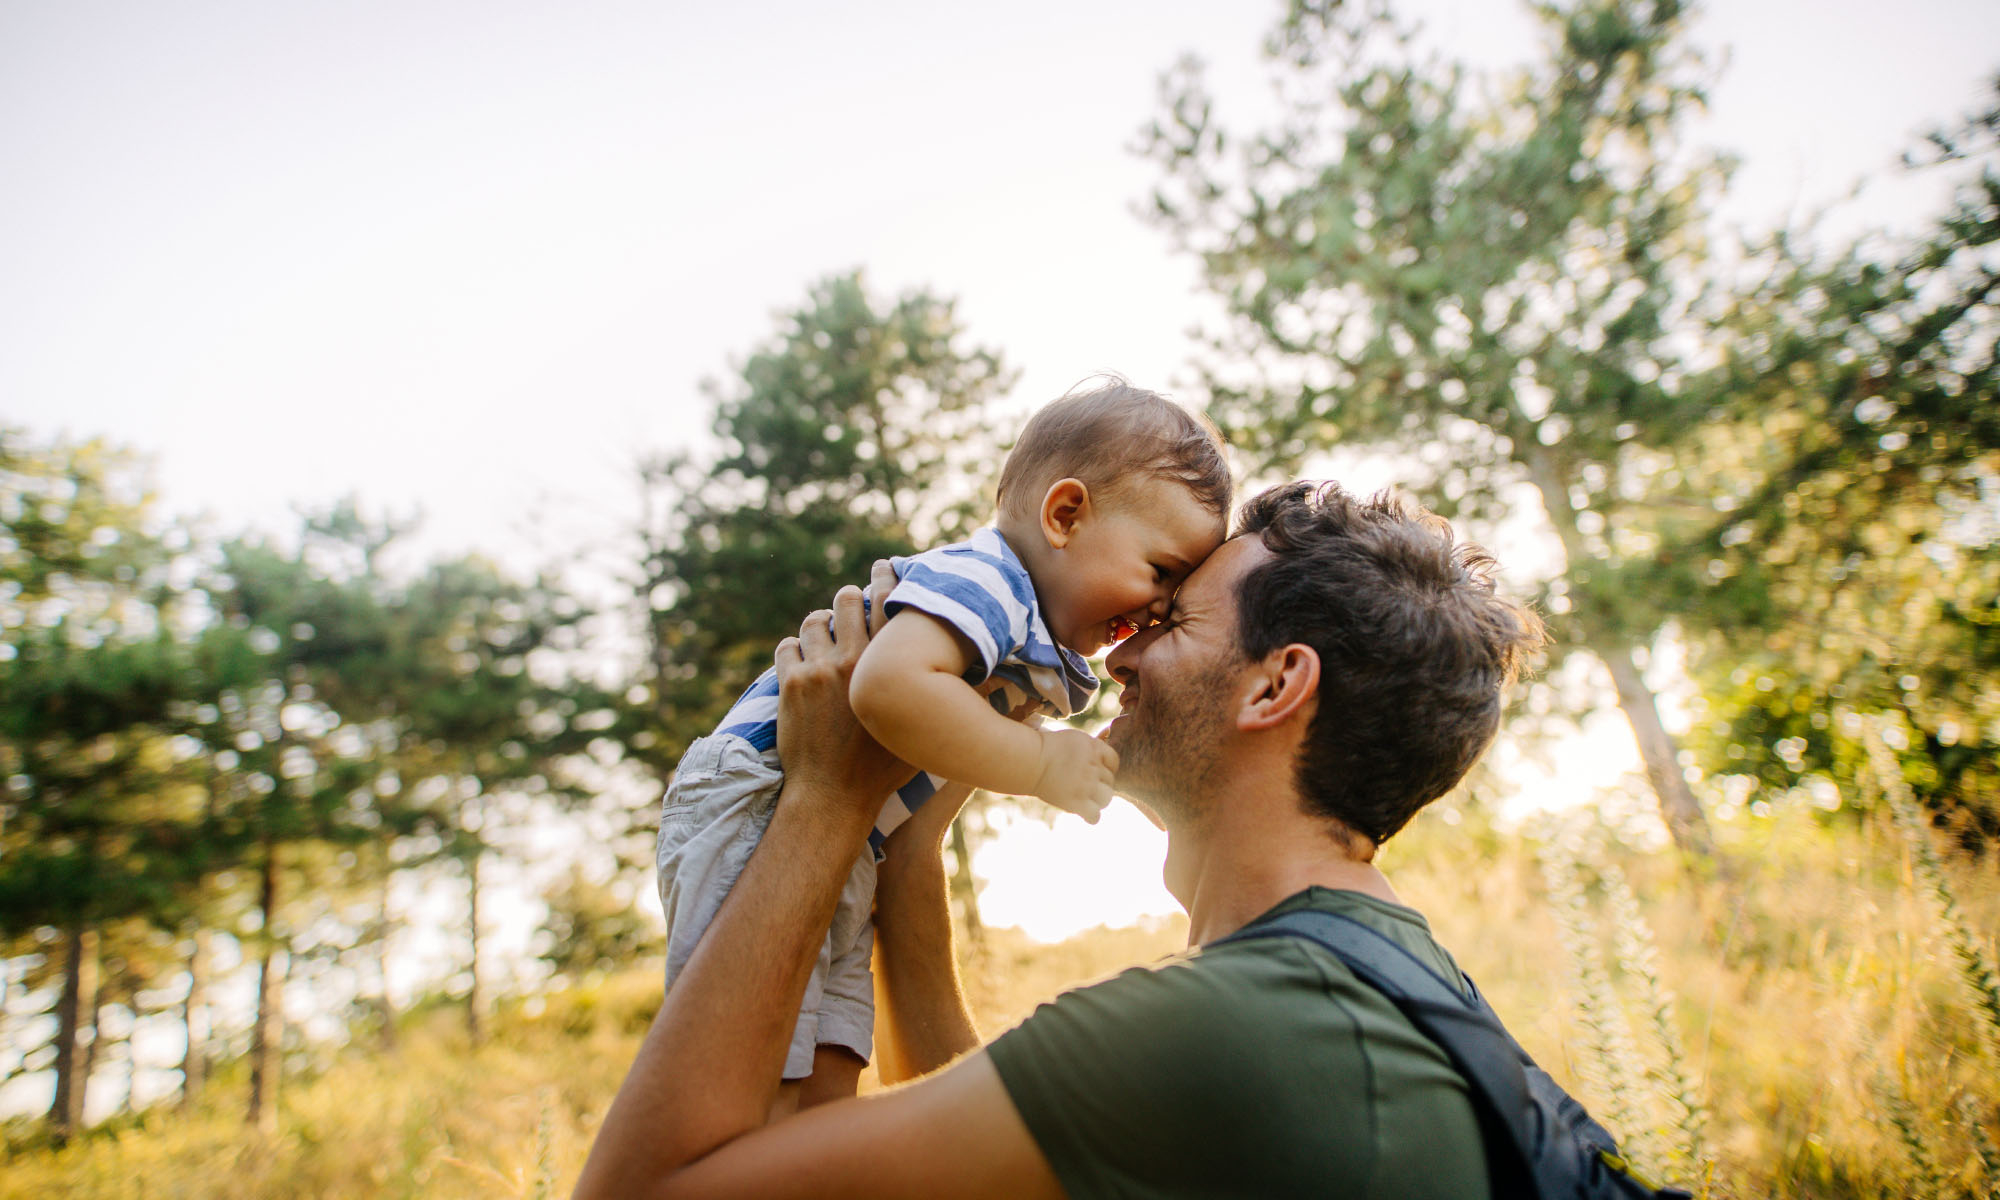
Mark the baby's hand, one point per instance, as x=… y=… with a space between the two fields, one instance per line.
x=1076 y=772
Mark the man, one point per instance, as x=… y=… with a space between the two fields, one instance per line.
x=1318 y=680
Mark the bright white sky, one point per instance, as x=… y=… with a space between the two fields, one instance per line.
x=474 y=257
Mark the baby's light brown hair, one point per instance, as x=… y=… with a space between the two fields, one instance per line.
x=1108 y=433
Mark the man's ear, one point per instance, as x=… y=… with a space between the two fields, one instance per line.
x=1065 y=503
x=1284 y=685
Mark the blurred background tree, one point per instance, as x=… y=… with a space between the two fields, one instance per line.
x=1849 y=567
x=96 y=820
x=242 y=738
x=493 y=716
x=595 y=925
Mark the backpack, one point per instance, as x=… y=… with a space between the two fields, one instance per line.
x=1539 y=1141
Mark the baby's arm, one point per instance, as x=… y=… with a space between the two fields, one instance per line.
x=909 y=691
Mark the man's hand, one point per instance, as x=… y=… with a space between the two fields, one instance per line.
x=1076 y=772
x=823 y=748
x=881 y=581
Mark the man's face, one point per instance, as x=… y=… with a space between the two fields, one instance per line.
x=1178 y=686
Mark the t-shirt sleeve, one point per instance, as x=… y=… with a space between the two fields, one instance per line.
x=984 y=598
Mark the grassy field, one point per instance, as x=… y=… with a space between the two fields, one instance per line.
x=1805 y=1026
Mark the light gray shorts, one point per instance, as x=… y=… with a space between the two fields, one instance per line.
x=715 y=812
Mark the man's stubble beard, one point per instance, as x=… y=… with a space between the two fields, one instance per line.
x=1168 y=747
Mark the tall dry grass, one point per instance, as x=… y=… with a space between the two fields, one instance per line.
x=1805 y=1028
x=1816 y=994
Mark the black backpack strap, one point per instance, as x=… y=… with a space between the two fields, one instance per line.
x=1539 y=1141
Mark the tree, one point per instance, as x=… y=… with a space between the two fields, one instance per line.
x=593 y=925
x=484 y=723
x=176 y=714
x=94 y=824
x=293 y=633
x=1498 y=291
x=1855 y=572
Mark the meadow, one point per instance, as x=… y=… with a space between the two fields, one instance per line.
x=1802 y=1024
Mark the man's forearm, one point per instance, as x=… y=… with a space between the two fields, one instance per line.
x=924 y=1022
x=711 y=1062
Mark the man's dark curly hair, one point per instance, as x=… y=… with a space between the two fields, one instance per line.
x=1414 y=645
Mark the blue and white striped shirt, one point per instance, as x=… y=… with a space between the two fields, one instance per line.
x=980 y=589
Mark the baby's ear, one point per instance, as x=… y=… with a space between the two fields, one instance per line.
x=1065 y=503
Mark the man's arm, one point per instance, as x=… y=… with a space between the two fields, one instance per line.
x=922 y=1021
x=689 y=1118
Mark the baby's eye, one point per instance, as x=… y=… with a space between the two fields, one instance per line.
x=1160 y=573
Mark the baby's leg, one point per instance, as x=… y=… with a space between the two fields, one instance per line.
x=714 y=814
x=836 y=1075
x=844 y=1017
x=721 y=799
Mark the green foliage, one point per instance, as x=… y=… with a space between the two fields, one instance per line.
x=1406 y=267
x=89 y=673
x=72 y=514
x=1853 y=567
x=595 y=926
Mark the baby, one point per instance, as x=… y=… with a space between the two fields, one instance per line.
x=1106 y=503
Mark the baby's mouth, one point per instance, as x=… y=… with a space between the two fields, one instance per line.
x=1121 y=628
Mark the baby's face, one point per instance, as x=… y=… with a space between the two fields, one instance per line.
x=1124 y=560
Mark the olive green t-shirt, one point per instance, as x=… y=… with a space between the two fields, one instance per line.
x=1260 y=1068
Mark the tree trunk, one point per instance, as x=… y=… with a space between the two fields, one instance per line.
x=385 y=1006
x=79 y=996
x=963 y=889
x=1685 y=821
x=268 y=1030
x=473 y=1028
x=1678 y=807
x=92 y=1048
x=194 y=1015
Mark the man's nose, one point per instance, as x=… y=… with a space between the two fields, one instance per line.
x=1122 y=660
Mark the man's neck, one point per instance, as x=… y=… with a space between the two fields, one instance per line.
x=1228 y=873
